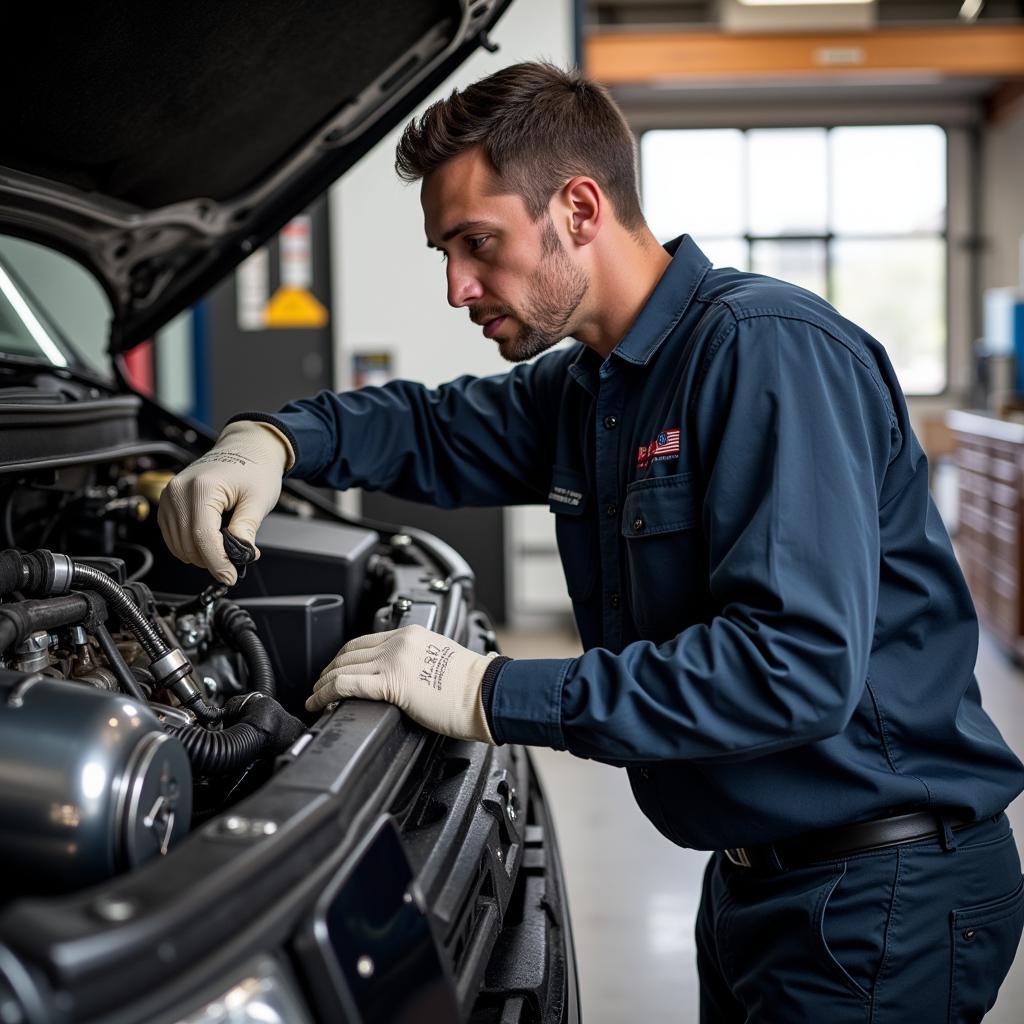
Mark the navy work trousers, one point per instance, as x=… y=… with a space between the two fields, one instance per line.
x=922 y=933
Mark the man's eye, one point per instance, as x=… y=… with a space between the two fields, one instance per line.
x=476 y=242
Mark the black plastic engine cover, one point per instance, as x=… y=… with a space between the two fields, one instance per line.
x=301 y=633
x=32 y=433
x=309 y=556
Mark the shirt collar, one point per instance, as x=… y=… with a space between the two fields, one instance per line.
x=583 y=369
x=664 y=309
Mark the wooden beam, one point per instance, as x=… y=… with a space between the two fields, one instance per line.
x=618 y=58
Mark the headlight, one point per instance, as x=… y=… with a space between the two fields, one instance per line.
x=263 y=995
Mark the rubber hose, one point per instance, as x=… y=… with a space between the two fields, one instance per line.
x=218 y=753
x=118 y=665
x=12 y=571
x=261 y=673
x=203 y=711
x=145 y=632
x=237 y=628
x=8 y=634
x=88 y=577
x=22 y=618
x=147 y=560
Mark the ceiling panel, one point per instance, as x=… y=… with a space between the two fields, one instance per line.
x=694 y=13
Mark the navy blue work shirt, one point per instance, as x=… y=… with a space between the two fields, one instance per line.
x=777 y=636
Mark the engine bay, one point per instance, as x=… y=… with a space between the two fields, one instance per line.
x=168 y=809
x=138 y=701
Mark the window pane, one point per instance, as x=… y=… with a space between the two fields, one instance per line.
x=889 y=179
x=801 y=263
x=787 y=180
x=692 y=181
x=895 y=290
x=725 y=252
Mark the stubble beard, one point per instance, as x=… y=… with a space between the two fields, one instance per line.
x=556 y=290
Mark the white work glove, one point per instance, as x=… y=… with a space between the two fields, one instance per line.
x=431 y=678
x=242 y=471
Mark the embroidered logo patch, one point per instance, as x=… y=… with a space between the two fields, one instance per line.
x=566 y=495
x=665 y=446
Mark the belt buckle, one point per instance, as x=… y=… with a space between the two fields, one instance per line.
x=738 y=856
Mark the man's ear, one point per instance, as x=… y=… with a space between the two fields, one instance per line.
x=583 y=206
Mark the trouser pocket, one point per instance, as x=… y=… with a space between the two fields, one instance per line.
x=985 y=939
x=853 y=919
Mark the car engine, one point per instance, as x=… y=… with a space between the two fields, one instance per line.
x=168 y=806
x=137 y=699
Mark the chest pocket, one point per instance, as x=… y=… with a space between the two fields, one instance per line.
x=575 y=530
x=665 y=555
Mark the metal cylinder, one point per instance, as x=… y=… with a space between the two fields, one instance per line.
x=90 y=784
x=33 y=653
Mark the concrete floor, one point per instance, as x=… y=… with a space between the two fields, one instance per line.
x=633 y=895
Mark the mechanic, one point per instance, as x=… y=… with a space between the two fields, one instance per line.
x=778 y=643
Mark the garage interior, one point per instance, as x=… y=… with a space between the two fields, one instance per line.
x=742 y=81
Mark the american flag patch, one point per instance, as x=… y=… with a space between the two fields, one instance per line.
x=664 y=446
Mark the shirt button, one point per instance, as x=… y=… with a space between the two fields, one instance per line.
x=614 y=600
x=610 y=423
x=611 y=510
x=638 y=524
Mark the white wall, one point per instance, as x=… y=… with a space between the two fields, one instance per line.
x=388 y=288
x=389 y=292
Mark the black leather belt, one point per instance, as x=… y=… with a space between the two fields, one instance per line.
x=845 y=841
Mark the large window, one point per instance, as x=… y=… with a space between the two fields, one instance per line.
x=857 y=215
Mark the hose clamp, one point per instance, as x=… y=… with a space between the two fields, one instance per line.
x=185 y=690
x=169 y=663
x=62 y=573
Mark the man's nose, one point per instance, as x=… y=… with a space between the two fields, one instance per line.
x=463 y=286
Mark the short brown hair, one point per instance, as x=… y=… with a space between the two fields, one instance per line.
x=539 y=126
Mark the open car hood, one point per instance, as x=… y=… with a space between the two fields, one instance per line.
x=160 y=145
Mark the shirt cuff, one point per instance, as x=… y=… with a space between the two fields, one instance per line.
x=487 y=688
x=527 y=703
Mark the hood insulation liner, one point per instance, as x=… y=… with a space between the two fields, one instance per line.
x=154 y=104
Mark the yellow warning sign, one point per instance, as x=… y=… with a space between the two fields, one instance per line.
x=294 y=307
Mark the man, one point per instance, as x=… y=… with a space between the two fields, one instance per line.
x=779 y=645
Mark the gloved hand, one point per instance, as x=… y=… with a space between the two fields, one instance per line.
x=431 y=678
x=242 y=471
